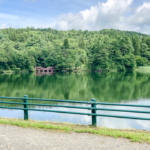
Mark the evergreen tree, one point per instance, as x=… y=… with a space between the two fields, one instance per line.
x=136 y=45
x=66 y=43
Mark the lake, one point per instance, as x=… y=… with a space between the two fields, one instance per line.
x=112 y=87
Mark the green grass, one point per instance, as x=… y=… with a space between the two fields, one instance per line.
x=132 y=135
x=7 y=71
x=143 y=69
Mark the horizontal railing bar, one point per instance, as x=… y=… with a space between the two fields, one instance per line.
x=46 y=110
x=117 y=104
x=74 y=101
x=126 y=117
x=53 y=100
x=123 y=110
x=2 y=97
x=90 y=114
x=104 y=109
x=51 y=105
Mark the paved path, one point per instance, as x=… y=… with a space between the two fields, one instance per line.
x=18 y=138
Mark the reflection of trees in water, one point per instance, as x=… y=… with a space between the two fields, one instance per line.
x=109 y=87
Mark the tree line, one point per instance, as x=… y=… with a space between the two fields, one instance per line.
x=108 y=49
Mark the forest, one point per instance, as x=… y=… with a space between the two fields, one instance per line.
x=108 y=49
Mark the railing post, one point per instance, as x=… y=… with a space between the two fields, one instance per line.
x=94 y=121
x=25 y=106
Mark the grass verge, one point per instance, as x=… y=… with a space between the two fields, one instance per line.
x=132 y=135
x=143 y=69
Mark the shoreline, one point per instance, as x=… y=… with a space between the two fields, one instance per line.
x=138 y=69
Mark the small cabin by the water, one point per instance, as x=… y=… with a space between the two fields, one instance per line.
x=45 y=70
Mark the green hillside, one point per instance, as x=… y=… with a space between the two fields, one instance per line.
x=108 y=49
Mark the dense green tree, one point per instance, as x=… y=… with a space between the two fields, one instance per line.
x=81 y=44
x=141 y=61
x=107 y=49
x=98 y=57
x=148 y=42
x=144 y=49
x=136 y=45
x=66 y=43
x=126 y=46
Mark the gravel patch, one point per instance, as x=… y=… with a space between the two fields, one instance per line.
x=18 y=138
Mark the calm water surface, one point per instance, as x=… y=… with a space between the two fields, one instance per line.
x=131 y=88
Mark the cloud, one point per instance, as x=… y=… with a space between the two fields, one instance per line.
x=143 y=7
x=141 y=18
x=111 y=14
x=114 y=14
x=3 y=26
x=104 y=15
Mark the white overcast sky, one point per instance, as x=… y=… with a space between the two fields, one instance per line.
x=131 y=15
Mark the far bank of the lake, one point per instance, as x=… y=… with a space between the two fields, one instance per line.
x=139 y=69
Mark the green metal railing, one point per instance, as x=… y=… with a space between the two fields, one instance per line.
x=92 y=107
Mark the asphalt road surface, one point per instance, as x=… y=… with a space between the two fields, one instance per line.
x=18 y=138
